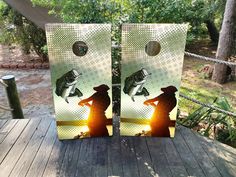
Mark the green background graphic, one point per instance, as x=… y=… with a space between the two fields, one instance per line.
x=165 y=68
x=95 y=67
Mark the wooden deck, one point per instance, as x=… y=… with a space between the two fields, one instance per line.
x=30 y=147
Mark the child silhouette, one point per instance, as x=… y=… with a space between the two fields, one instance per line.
x=97 y=118
x=160 y=120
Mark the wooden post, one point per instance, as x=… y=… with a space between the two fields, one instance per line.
x=13 y=97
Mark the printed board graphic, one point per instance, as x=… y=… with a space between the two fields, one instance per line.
x=152 y=60
x=80 y=63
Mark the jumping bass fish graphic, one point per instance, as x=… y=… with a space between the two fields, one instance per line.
x=66 y=85
x=134 y=84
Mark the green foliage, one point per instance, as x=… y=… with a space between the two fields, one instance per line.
x=196 y=92
x=196 y=13
x=213 y=119
x=17 y=29
x=116 y=12
x=6 y=36
x=37 y=38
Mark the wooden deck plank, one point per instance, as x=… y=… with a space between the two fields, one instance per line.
x=129 y=161
x=7 y=128
x=100 y=167
x=227 y=148
x=38 y=165
x=69 y=164
x=187 y=157
x=213 y=146
x=56 y=158
x=200 y=155
x=175 y=163
x=93 y=158
x=36 y=151
x=223 y=162
x=8 y=124
x=22 y=166
x=115 y=167
x=11 y=138
x=10 y=160
x=2 y=122
x=84 y=165
x=114 y=157
x=72 y=165
x=67 y=158
x=159 y=160
x=109 y=167
x=143 y=157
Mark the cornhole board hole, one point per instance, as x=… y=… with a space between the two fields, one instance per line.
x=152 y=60
x=80 y=63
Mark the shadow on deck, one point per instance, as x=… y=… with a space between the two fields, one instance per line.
x=29 y=147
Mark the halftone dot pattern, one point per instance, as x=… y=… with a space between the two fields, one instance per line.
x=69 y=132
x=165 y=68
x=95 y=66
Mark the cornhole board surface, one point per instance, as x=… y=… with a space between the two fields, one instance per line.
x=152 y=58
x=92 y=68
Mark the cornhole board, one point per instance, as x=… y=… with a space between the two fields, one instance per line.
x=80 y=64
x=152 y=60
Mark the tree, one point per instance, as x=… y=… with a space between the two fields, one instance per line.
x=213 y=9
x=204 y=16
x=15 y=28
x=226 y=42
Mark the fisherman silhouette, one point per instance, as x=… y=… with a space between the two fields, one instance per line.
x=160 y=121
x=97 y=118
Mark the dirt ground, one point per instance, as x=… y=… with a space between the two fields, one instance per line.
x=34 y=87
x=194 y=83
x=13 y=53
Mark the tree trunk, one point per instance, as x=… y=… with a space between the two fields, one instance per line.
x=212 y=30
x=226 y=41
